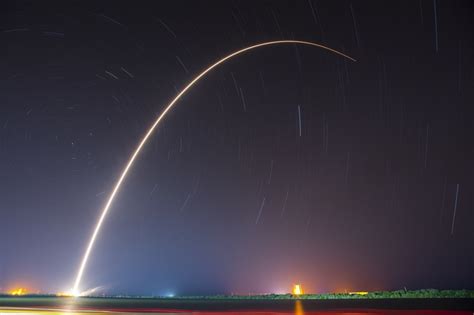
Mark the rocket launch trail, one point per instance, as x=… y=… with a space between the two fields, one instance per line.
x=123 y=175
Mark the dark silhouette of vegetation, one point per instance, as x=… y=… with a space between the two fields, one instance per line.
x=399 y=294
x=424 y=294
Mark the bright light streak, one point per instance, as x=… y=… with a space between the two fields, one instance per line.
x=105 y=210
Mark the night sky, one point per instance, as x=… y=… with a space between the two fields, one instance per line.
x=286 y=165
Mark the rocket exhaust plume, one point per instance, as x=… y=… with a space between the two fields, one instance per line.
x=106 y=208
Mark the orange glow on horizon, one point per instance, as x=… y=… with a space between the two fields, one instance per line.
x=18 y=291
x=297 y=289
x=67 y=294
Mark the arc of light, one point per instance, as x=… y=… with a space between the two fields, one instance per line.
x=105 y=210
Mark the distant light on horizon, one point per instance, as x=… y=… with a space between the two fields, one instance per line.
x=297 y=289
x=359 y=293
x=66 y=294
x=18 y=291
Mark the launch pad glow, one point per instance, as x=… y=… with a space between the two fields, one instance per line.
x=75 y=290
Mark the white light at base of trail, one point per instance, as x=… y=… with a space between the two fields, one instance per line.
x=155 y=124
x=75 y=292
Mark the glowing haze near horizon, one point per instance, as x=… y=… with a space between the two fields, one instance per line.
x=284 y=166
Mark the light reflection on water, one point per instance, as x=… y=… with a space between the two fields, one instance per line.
x=299 y=308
